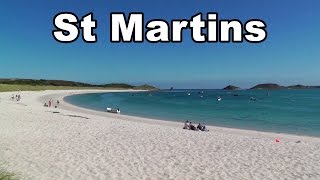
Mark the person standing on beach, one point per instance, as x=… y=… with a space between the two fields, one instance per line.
x=50 y=103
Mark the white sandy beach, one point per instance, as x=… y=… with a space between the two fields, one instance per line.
x=74 y=143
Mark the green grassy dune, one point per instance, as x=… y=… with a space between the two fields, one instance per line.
x=42 y=84
x=10 y=87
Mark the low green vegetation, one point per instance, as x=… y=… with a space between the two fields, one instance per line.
x=145 y=87
x=43 y=82
x=7 y=85
x=118 y=85
x=4 y=175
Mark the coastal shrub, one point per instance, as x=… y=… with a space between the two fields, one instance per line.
x=4 y=175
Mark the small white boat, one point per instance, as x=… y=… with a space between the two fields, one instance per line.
x=189 y=94
x=219 y=99
x=115 y=111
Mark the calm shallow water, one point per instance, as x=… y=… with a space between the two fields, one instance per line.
x=286 y=111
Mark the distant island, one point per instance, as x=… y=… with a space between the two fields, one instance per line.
x=298 y=86
x=231 y=88
x=70 y=84
x=272 y=86
x=268 y=86
x=302 y=87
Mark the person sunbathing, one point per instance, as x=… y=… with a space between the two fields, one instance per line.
x=186 y=125
x=200 y=127
x=192 y=127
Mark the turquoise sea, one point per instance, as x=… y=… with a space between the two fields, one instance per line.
x=285 y=111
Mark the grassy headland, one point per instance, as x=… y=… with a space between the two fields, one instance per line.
x=7 y=85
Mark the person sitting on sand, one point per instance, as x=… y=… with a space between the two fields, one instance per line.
x=192 y=127
x=186 y=125
x=45 y=105
x=58 y=102
x=200 y=127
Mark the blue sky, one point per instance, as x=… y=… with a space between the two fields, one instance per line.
x=290 y=55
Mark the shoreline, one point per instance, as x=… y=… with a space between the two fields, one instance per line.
x=71 y=142
x=175 y=123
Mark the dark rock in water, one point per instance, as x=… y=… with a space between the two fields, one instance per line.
x=267 y=86
x=232 y=88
